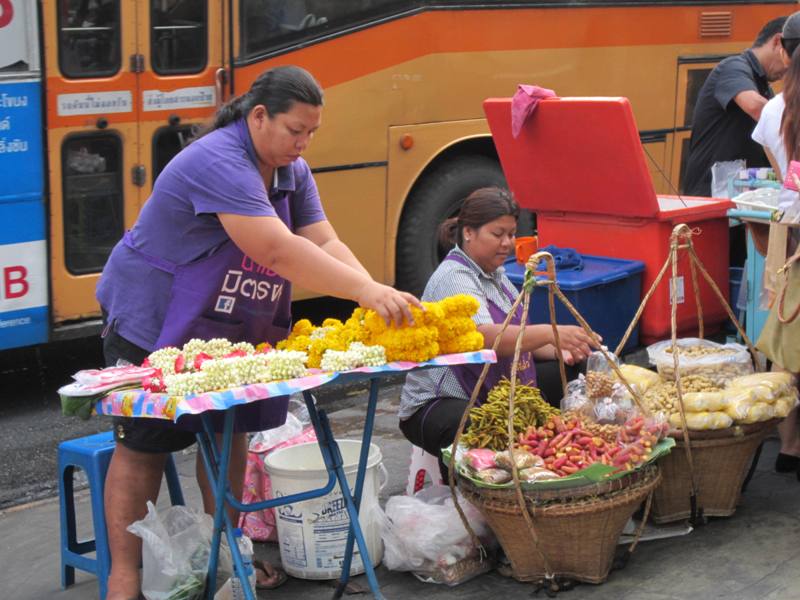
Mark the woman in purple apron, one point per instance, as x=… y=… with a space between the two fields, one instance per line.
x=232 y=220
x=432 y=401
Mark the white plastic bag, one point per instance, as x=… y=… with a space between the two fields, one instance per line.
x=718 y=362
x=175 y=548
x=424 y=534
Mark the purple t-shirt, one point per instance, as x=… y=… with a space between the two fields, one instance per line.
x=215 y=174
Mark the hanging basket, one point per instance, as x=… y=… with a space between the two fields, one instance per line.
x=578 y=532
x=704 y=475
x=550 y=533
x=721 y=459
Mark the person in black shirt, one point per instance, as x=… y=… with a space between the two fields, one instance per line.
x=729 y=105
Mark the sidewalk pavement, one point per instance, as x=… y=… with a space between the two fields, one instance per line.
x=753 y=555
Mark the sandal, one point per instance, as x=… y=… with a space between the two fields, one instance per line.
x=275 y=577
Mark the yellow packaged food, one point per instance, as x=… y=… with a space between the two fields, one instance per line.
x=703 y=401
x=764 y=387
x=701 y=421
x=760 y=411
x=784 y=405
x=642 y=378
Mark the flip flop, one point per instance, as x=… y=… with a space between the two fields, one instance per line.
x=276 y=576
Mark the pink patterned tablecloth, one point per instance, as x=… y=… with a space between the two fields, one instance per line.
x=140 y=403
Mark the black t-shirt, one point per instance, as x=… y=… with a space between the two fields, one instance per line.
x=721 y=130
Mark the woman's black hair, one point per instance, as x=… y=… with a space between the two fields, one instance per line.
x=482 y=206
x=277 y=89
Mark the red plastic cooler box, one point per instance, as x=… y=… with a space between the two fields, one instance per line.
x=579 y=164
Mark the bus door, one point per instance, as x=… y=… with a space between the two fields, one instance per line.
x=692 y=74
x=126 y=81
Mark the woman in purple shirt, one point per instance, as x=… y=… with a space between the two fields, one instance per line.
x=232 y=220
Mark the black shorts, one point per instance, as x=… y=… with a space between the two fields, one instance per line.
x=142 y=435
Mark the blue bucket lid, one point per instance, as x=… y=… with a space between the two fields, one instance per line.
x=597 y=270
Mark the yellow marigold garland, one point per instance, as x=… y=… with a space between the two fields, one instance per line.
x=445 y=327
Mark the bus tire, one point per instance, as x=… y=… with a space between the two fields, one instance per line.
x=436 y=197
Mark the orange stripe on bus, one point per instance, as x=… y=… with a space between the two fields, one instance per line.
x=402 y=40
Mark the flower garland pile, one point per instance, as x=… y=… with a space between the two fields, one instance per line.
x=217 y=364
x=444 y=327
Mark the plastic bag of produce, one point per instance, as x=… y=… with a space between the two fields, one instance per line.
x=575 y=398
x=175 y=548
x=783 y=406
x=522 y=458
x=704 y=401
x=643 y=379
x=764 y=387
x=718 y=362
x=480 y=458
x=701 y=421
x=424 y=534
x=760 y=411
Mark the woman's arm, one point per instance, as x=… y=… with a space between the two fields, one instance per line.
x=270 y=243
x=323 y=235
x=539 y=340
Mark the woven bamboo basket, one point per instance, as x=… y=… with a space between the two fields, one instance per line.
x=578 y=529
x=721 y=460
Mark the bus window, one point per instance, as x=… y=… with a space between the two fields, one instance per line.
x=88 y=38
x=268 y=23
x=167 y=142
x=178 y=36
x=93 y=211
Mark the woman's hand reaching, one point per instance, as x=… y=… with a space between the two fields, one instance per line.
x=393 y=305
x=575 y=343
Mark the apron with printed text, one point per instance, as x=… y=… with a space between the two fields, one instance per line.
x=226 y=294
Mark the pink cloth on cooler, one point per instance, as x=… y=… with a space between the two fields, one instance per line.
x=524 y=103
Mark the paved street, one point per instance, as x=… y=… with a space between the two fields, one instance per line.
x=753 y=555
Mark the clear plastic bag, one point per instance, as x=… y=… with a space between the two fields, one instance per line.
x=175 y=547
x=723 y=174
x=424 y=534
x=719 y=362
x=575 y=399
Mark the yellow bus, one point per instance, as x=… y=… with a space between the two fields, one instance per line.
x=122 y=84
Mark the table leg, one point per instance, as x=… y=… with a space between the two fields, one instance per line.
x=354 y=504
x=216 y=464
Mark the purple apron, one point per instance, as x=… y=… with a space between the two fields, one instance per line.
x=227 y=294
x=468 y=375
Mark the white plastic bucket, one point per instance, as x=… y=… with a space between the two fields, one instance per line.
x=312 y=535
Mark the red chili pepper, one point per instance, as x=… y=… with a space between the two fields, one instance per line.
x=559 y=424
x=585 y=440
x=570 y=469
x=565 y=440
x=560 y=462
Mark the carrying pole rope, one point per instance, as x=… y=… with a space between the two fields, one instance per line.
x=678 y=232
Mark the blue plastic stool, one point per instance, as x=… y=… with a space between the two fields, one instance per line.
x=92 y=454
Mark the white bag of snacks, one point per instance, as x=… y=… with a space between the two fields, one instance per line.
x=718 y=362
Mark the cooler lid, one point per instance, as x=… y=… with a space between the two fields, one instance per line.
x=579 y=155
x=597 y=270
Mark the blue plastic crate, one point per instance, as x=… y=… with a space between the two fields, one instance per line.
x=606 y=292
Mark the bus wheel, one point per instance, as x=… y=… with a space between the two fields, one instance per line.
x=436 y=197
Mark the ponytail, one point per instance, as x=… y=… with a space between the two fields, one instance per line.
x=232 y=110
x=448 y=234
x=482 y=206
x=277 y=89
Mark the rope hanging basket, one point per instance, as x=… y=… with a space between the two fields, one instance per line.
x=556 y=533
x=703 y=476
